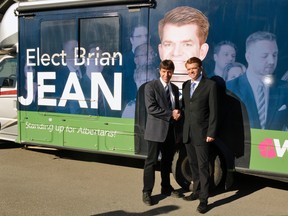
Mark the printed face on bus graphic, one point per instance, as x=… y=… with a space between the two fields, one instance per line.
x=139 y=36
x=226 y=55
x=180 y=43
x=144 y=55
x=262 y=57
x=69 y=48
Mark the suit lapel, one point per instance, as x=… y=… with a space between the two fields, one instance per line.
x=186 y=90
x=247 y=96
x=273 y=105
x=200 y=88
x=160 y=89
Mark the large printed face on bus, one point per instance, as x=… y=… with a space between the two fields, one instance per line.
x=262 y=57
x=180 y=43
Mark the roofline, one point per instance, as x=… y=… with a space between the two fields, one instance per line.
x=27 y=7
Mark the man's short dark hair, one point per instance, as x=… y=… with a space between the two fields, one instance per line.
x=222 y=43
x=167 y=65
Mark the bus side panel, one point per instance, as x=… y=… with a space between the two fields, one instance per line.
x=111 y=94
x=77 y=88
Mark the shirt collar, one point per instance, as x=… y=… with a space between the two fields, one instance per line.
x=253 y=79
x=164 y=83
x=198 y=80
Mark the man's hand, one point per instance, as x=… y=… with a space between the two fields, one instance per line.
x=210 y=139
x=176 y=114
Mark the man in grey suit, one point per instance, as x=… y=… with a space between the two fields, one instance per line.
x=162 y=105
x=199 y=130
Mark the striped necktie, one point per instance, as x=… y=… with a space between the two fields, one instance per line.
x=168 y=96
x=261 y=105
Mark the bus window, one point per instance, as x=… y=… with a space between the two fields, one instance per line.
x=101 y=32
x=63 y=30
x=8 y=73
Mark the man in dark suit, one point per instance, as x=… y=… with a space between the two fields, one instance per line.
x=162 y=105
x=264 y=96
x=199 y=130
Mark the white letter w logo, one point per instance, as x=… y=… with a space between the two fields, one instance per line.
x=280 y=151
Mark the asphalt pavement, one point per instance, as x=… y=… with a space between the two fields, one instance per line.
x=41 y=181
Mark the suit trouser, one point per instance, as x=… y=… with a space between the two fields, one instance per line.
x=167 y=149
x=198 y=156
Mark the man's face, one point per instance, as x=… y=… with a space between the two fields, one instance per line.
x=144 y=57
x=145 y=76
x=262 y=57
x=180 y=43
x=166 y=75
x=226 y=55
x=91 y=65
x=139 y=37
x=193 y=71
x=69 y=48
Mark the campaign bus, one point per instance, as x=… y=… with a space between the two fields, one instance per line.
x=82 y=67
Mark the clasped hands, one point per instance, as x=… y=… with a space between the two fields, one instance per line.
x=176 y=114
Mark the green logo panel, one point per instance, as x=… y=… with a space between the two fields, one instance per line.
x=269 y=151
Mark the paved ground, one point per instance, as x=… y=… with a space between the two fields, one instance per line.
x=50 y=182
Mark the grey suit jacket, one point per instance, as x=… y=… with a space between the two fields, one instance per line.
x=158 y=112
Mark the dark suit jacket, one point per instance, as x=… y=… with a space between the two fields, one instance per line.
x=277 y=115
x=200 y=111
x=158 y=113
x=129 y=85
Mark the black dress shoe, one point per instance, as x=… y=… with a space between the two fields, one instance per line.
x=170 y=192
x=147 y=198
x=191 y=197
x=202 y=207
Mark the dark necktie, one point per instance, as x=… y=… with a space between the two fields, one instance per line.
x=168 y=96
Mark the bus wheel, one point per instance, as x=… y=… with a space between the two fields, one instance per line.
x=182 y=173
x=216 y=168
x=181 y=170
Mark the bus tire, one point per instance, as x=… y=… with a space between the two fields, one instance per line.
x=181 y=170
x=216 y=168
x=182 y=173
